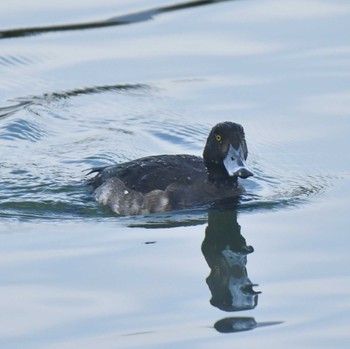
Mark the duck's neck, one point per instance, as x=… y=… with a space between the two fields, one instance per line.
x=219 y=176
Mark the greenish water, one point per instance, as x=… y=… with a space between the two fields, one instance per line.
x=85 y=84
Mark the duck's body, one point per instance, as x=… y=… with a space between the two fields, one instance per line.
x=169 y=182
x=155 y=172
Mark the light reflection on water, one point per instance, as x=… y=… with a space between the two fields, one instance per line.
x=74 y=275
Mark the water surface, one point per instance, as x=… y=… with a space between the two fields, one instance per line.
x=88 y=84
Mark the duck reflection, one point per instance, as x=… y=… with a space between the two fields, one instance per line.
x=225 y=251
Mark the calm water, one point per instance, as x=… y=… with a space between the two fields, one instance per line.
x=90 y=83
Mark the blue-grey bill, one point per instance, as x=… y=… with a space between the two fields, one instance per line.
x=235 y=164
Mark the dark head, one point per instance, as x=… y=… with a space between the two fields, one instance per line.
x=226 y=151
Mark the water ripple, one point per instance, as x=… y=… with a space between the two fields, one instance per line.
x=58 y=95
x=22 y=129
x=15 y=60
x=282 y=190
x=120 y=123
x=12 y=109
x=193 y=136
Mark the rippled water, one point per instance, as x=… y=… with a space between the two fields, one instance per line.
x=86 y=84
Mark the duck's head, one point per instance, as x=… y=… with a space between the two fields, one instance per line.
x=226 y=151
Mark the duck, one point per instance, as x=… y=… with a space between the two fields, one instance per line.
x=163 y=183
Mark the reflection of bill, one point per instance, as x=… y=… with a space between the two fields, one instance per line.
x=235 y=324
x=225 y=251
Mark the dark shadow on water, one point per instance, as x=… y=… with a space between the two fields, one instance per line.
x=130 y=18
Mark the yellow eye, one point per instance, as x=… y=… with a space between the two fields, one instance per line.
x=218 y=138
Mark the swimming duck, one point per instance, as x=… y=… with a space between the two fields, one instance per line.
x=170 y=182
